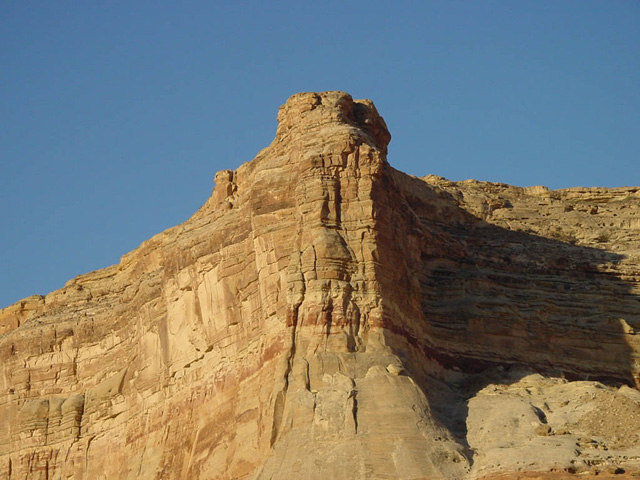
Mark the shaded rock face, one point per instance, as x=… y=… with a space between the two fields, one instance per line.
x=326 y=316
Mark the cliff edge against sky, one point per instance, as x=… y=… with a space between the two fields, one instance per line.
x=326 y=316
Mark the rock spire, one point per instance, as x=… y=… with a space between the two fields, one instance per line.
x=324 y=315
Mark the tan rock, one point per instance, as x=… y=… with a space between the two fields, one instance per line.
x=326 y=316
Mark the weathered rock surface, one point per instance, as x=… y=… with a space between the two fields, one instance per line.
x=326 y=316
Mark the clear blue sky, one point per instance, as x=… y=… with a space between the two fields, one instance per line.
x=116 y=115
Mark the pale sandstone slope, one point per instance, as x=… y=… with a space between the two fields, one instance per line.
x=325 y=316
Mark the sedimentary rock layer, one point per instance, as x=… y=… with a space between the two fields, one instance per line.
x=326 y=316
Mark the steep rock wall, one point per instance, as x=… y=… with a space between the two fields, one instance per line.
x=319 y=315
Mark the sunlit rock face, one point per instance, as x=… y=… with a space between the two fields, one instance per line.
x=326 y=316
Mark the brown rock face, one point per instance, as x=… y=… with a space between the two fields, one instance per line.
x=326 y=316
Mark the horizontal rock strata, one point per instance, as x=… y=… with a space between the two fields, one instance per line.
x=326 y=316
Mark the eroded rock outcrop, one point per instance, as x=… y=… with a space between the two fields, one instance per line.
x=326 y=316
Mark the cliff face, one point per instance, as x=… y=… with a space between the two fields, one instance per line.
x=326 y=316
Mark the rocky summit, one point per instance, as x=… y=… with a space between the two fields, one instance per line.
x=325 y=316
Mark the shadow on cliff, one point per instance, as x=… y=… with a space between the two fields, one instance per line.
x=492 y=299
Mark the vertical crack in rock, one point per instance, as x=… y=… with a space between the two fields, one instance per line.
x=296 y=293
x=281 y=396
x=353 y=396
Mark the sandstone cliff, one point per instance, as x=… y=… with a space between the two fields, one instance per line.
x=326 y=316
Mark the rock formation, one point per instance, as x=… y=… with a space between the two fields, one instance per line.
x=326 y=316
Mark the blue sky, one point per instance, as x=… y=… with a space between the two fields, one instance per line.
x=116 y=115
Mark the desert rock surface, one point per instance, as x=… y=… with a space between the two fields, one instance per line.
x=324 y=315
